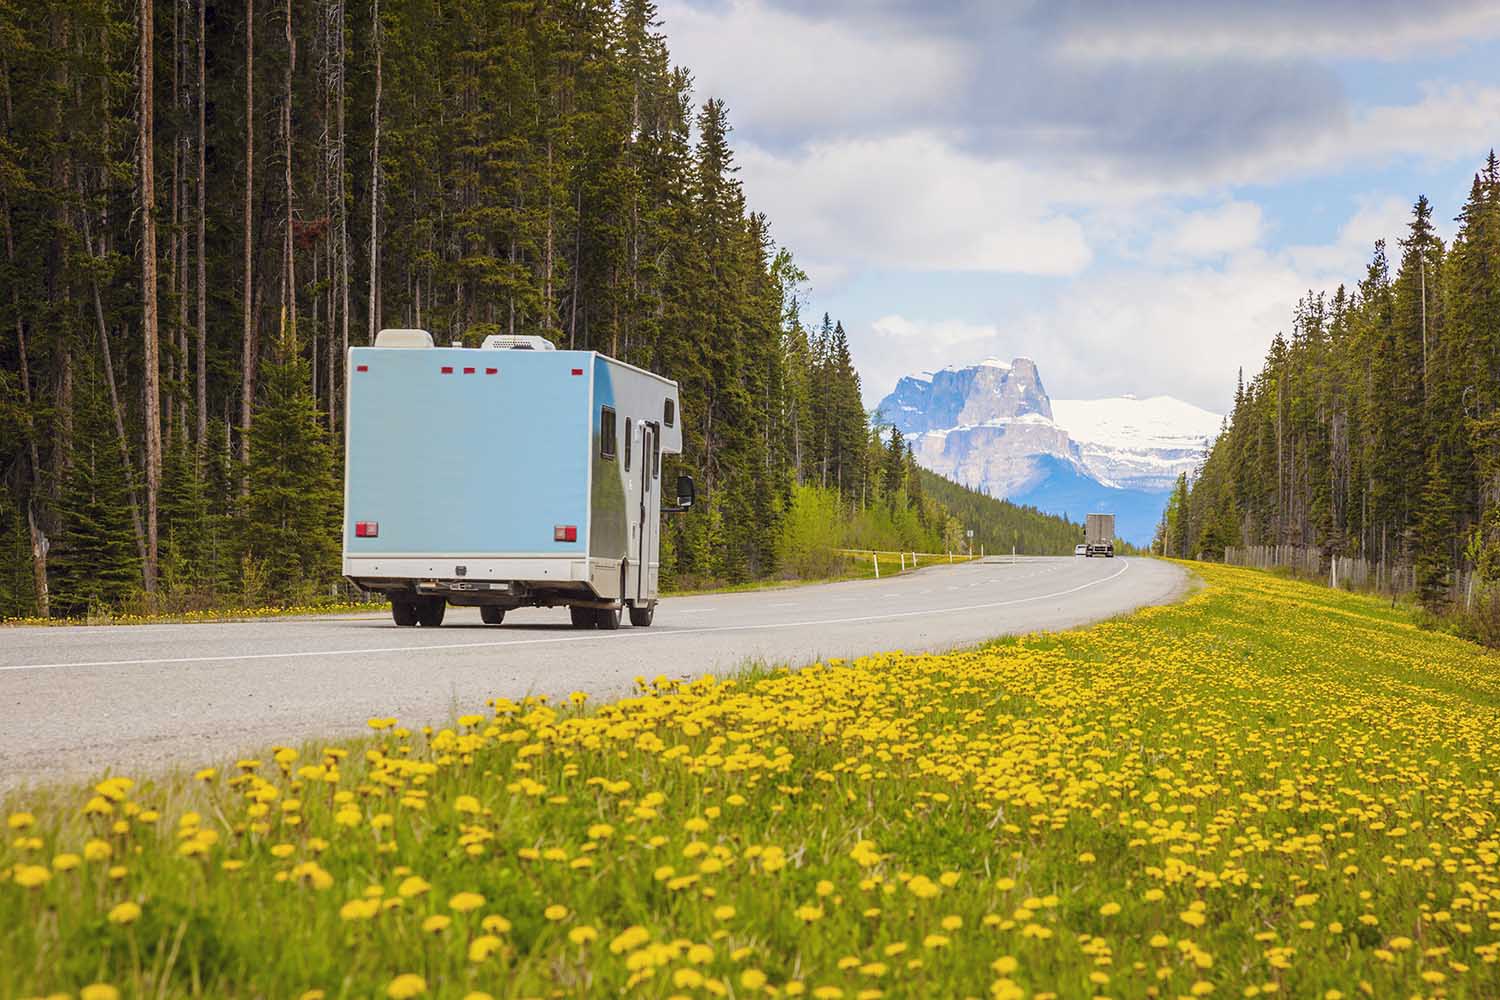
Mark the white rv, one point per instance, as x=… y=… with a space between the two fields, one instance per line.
x=505 y=476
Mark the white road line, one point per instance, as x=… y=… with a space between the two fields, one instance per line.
x=642 y=634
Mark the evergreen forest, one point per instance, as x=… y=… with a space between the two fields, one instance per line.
x=1373 y=430
x=204 y=203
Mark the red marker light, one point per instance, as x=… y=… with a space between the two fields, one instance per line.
x=492 y=371
x=468 y=371
x=361 y=368
x=577 y=371
x=366 y=529
x=565 y=533
x=446 y=369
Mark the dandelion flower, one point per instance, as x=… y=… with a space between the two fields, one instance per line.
x=406 y=986
x=413 y=885
x=463 y=902
x=125 y=913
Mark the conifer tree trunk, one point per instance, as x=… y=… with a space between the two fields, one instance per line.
x=247 y=369
x=37 y=540
x=343 y=210
x=151 y=353
x=174 y=231
x=202 y=358
x=180 y=199
x=114 y=396
x=289 y=278
x=375 y=188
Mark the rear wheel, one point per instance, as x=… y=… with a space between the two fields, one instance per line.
x=430 y=611
x=404 y=611
x=492 y=615
x=607 y=618
x=641 y=616
x=582 y=617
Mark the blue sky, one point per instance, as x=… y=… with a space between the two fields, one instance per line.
x=1134 y=195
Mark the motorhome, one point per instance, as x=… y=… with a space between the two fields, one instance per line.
x=507 y=475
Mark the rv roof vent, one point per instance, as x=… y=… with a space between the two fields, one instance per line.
x=403 y=338
x=517 y=342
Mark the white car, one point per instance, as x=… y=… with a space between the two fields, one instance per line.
x=1080 y=550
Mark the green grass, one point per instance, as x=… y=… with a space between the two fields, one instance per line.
x=1270 y=789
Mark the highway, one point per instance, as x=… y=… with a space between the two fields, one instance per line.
x=140 y=699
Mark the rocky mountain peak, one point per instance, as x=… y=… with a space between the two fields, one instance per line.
x=986 y=393
x=992 y=426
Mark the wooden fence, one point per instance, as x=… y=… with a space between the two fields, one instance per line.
x=1348 y=572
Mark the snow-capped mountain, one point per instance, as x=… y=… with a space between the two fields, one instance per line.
x=1140 y=443
x=993 y=426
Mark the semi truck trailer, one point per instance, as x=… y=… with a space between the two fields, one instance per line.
x=1099 y=535
x=504 y=476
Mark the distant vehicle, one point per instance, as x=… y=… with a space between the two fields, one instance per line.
x=1080 y=549
x=506 y=476
x=1099 y=535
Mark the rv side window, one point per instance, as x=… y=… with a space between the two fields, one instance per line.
x=669 y=412
x=607 y=433
x=628 y=441
x=656 y=456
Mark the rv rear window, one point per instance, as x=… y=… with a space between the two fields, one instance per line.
x=628 y=441
x=607 y=433
x=669 y=412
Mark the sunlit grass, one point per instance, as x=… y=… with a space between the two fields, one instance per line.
x=1271 y=789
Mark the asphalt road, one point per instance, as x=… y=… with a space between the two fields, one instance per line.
x=143 y=698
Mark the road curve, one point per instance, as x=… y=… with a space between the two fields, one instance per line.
x=139 y=698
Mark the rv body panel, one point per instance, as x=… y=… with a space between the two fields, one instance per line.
x=486 y=467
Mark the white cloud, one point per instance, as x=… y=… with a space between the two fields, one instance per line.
x=1376 y=217
x=1279 y=31
x=1178 y=330
x=1232 y=227
x=781 y=73
x=1448 y=122
x=895 y=345
x=916 y=203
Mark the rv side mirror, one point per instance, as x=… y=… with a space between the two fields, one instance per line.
x=686 y=492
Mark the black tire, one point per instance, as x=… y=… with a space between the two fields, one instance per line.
x=404 y=611
x=641 y=616
x=430 y=611
x=582 y=617
x=492 y=615
x=607 y=618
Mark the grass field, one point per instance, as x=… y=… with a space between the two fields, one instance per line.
x=1271 y=789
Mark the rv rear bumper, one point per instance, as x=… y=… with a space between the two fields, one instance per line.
x=371 y=571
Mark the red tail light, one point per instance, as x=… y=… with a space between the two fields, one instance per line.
x=366 y=529
x=565 y=533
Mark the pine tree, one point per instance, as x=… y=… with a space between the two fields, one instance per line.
x=1434 y=535
x=186 y=522
x=94 y=563
x=292 y=500
x=17 y=585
